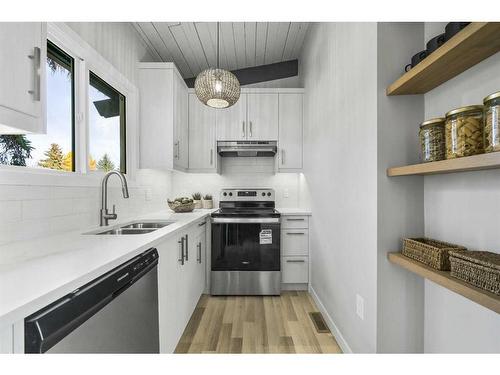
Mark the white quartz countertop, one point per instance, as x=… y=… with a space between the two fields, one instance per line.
x=37 y=272
x=294 y=211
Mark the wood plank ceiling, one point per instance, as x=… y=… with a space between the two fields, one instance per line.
x=192 y=45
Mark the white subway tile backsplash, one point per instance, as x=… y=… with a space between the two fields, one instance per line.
x=10 y=211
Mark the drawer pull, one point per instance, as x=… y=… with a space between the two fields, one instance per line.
x=299 y=233
x=295 y=261
x=202 y=224
x=301 y=219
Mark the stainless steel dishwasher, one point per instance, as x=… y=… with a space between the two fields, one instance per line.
x=115 y=313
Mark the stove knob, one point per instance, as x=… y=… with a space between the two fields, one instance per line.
x=224 y=194
x=263 y=194
x=269 y=194
x=230 y=194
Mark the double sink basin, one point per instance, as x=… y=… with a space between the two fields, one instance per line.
x=136 y=227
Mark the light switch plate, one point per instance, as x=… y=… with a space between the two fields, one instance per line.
x=360 y=307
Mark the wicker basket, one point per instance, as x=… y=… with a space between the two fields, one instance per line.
x=479 y=268
x=430 y=252
x=179 y=207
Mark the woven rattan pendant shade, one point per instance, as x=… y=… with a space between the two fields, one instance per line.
x=217 y=88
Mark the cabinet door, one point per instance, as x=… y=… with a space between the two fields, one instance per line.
x=202 y=147
x=262 y=117
x=22 y=77
x=231 y=122
x=170 y=271
x=290 y=131
x=181 y=130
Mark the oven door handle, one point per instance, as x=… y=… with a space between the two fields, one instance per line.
x=248 y=220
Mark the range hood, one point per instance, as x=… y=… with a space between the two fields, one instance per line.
x=247 y=148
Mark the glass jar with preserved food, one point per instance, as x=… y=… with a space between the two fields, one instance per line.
x=492 y=122
x=432 y=139
x=464 y=131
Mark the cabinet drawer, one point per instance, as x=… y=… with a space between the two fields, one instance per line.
x=198 y=228
x=295 y=270
x=295 y=242
x=295 y=221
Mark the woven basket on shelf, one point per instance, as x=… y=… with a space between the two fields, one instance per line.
x=430 y=252
x=479 y=268
x=180 y=207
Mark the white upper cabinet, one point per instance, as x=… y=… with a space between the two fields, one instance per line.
x=181 y=136
x=232 y=121
x=163 y=117
x=202 y=145
x=290 y=131
x=262 y=117
x=23 y=54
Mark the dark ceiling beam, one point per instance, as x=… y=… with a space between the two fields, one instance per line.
x=261 y=73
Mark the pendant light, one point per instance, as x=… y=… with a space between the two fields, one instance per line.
x=215 y=87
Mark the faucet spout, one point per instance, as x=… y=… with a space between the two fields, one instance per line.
x=105 y=215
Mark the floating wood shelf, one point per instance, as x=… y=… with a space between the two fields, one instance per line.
x=465 y=164
x=443 y=278
x=474 y=43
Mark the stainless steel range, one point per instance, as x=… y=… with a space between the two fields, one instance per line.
x=246 y=244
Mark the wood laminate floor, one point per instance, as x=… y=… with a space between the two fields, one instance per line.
x=255 y=324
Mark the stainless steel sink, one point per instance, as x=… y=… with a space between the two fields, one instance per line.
x=136 y=227
x=147 y=225
x=120 y=231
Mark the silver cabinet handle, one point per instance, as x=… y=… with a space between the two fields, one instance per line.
x=250 y=129
x=212 y=156
x=282 y=156
x=300 y=219
x=199 y=252
x=187 y=249
x=181 y=242
x=202 y=224
x=36 y=57
x=294 y=233
x=295 y=261
x=176 y=153
x=243 y=130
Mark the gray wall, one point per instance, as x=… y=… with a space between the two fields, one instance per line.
x=338 y=68
x=400 y=208
x=462 y=208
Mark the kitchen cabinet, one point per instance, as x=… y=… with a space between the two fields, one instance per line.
x=181 y=281
x=22 y=77
x=163 y=117
x=262 y=117
x=181 y=132
x=202 y=144
x=290 y=140
x=7 y=340
x=232 y=121
x=294 y=250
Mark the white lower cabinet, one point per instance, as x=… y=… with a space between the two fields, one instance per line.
x=181 y=281
x=295 y=270
x=294 y=249
x=7 y=340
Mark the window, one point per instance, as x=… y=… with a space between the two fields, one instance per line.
x=106 y=127
x=56 y=149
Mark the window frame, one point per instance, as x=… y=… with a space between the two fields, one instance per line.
x=86 y=59
x=123 y=122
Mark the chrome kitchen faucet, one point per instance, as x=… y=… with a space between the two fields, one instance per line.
x=104 y=214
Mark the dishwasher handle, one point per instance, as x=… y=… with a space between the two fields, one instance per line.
x=48 y=326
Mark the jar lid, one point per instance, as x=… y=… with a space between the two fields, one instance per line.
x=491 y=96
x=436 y=120
x=468 y=108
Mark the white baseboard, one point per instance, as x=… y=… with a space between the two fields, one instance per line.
x=333 y=328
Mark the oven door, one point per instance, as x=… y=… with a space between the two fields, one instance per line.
x=245 y=244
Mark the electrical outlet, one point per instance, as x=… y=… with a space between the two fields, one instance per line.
x=360 y=307
x=148 y=194
x=285 y=193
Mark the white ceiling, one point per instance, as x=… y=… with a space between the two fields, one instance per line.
x=192 y=45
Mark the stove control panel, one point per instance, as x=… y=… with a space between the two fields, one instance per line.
x=259 y=194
